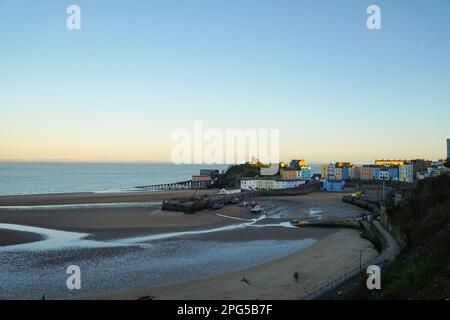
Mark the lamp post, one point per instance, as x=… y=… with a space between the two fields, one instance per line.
x=360 y=260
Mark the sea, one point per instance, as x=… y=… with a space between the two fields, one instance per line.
x=18 y=178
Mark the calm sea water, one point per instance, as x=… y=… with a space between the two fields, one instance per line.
x=34 y=178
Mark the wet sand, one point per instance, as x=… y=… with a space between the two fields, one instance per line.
x=165 y=262
x=110 y=222
x=271 y=280
x=131 y=220
x=91 y=197
x=312 y=205
x=11 y=237
x=333 y=250
x=106 y=223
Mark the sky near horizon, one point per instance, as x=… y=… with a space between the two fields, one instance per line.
x=137 y=70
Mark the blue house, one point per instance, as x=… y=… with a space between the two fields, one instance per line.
x=375 y=173
x=345 y=173
x=306 y=173
x=333 y=185
x=393 y=173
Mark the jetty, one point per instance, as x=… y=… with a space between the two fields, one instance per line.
x=183 y=185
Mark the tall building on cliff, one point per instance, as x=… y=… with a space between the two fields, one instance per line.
x=448 y=148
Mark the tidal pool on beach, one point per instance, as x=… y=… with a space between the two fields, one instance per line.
x=144 y=262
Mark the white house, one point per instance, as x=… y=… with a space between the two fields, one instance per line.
x=436 y=169
x=269 y=184
x=331 y=170
x=248 y=184
x=265 y=184
x=286 y=184
x=406 y=173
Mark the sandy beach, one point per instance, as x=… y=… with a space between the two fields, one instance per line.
x=91 y=197
x=125 y=233
x=9 y=237
x=274 y=279
x=133 y=219
x=138 y=219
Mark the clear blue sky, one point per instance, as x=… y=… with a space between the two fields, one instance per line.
x=117 y=88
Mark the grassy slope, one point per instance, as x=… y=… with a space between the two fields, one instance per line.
x=232 y=177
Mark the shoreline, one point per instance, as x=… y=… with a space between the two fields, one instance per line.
x=92 y=197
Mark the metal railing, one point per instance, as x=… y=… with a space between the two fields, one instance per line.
x=341 y=277
x=389 y=251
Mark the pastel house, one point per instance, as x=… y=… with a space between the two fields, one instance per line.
x=333 y=185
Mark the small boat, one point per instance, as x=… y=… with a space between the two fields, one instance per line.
x=234 y=200
x=255 y=209
x=217 y=206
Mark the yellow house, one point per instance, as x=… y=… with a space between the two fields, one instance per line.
x=366 y=173
x=389 y=163
x=342 y=164
x=324 y=171
x=290 y=174
x=338 y=173
x=303 y=163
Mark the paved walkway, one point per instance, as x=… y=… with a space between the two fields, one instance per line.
x=392 y=248
x=390 y=251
